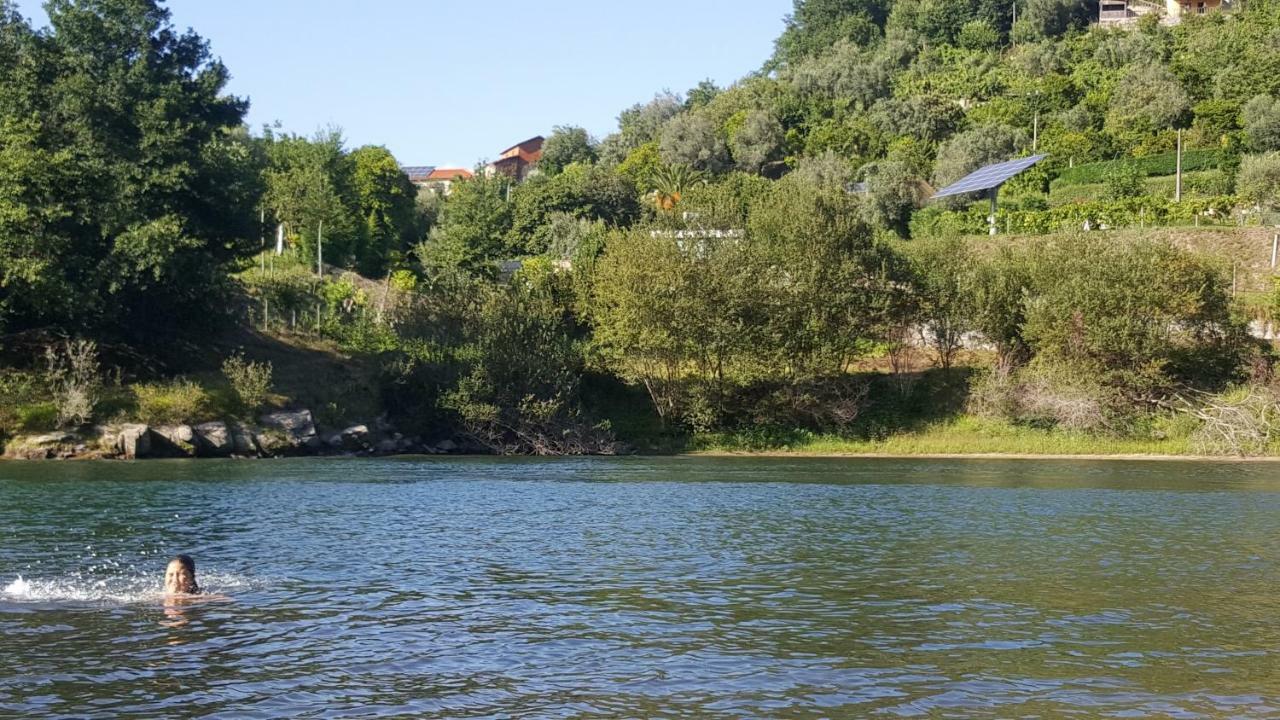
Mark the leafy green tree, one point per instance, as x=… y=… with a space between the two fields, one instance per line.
x=1262 y=123
x=1259 y=180
x=893 y=192
x=693 y=140
x=944 y=279
x=978 y=35
x=127 y=187
x=1040 y=19
x=1144 y=316
x=472 y=230
x=833 y=286
x=927 y=118
x=844 y=74
x=521 y=391
x=1123 y=180
x=388 y=205
x=828 y=170
x=701 y=95
x=587 y=192
x=310 y=188
x=639 y=167
x=758 y=142
x=1149 y=98
x=816 y=25
x=639 y=124
x=567 y=145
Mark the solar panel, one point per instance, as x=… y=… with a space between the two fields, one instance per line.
x=991 y=176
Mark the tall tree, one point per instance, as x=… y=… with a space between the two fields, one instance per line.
x=129 y=188
x=567 y=145
x=387 y=205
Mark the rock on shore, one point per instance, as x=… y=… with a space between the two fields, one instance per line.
x=280 y=434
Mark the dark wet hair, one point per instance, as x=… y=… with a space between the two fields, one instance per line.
x=187 y=563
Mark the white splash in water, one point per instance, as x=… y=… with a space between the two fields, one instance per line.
x=114 y=590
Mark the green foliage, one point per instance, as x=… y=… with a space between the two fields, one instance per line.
x=1148 y=99
x=250 y=382
x=567 y=145
x=1149 y=166
x=1143 y=316
x=802 y=293
x=310 y=182
x=520 y=393
x=638 y=125
x=818 y=24
x=127 y=187
x=944 y=282
x=388 y=206
x=73 y=374
x=758 y=142
x=1259 y=180
x=472 y=230
x=693 y=140
x=587 y=192
x=1123 y=181
x=1262 y=123
x=893 y=193
x=1131 y=212
x=978 y=35
x=176 y=402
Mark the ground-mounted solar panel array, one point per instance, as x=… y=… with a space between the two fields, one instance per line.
x=991 y=176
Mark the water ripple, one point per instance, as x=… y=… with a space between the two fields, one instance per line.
x=643 y=588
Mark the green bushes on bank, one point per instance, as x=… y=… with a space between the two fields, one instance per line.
x=1133 y=212
x=1150 y=166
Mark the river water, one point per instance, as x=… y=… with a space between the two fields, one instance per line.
x=712 y=588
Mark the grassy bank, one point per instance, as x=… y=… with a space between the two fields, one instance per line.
x=962 y=436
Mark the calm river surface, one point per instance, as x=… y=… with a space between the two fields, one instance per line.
x=711 y=588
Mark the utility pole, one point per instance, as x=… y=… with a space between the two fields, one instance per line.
x=1178 y=190
x=262 y=238
x=320 y=251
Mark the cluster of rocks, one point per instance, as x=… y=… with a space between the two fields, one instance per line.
x=282 y=434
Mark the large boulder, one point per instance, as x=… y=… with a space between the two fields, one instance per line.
x=356 y=437
x=298 y=427
x=242 y=442
x=133 y=442
x=173 y=441
x=274 y=443
x=214 y=439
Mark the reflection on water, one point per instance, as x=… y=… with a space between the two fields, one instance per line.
x=636 y=587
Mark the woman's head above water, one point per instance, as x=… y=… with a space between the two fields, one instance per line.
x=180 y=576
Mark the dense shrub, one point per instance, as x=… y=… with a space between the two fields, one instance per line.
x=1150 y=166
x=250 y=382
x=171 y=403
x=72 y=372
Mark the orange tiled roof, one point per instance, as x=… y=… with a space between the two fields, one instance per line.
x=449 y=174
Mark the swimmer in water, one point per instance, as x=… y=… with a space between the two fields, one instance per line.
x=180 y=577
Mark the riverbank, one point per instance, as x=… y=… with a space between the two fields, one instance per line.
x=966 y=437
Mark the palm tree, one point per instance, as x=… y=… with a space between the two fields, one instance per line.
x=671 y=182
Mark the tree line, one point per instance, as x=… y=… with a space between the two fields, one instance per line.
x=747 y=255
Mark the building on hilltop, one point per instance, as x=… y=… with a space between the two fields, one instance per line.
x=1124 y=13
x=434 y=178
x=418 y=174
x=518 y=161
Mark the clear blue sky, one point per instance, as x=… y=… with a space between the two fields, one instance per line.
x=449 y=82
